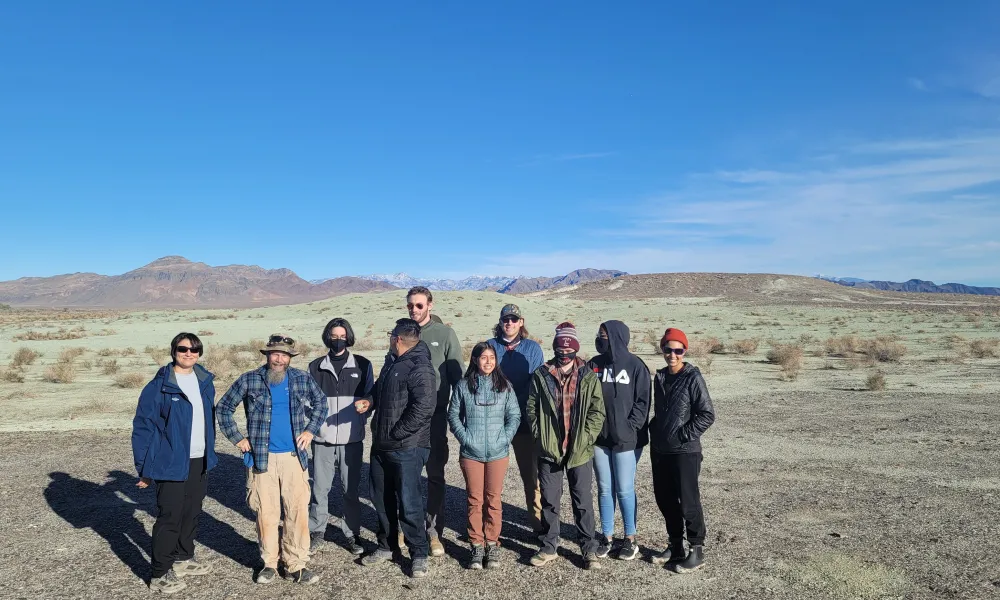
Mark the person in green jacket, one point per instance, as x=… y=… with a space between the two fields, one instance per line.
x=566 y=413
x=484 y=416
x=446 y=357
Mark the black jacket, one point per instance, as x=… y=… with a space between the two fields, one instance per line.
x=681 y=413
x=404 y=399
x=625 y=383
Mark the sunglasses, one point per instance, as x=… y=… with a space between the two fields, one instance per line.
x=274 y=340
x=510 y=319
x=188 y=349
x=416 y=305
x=677 y=351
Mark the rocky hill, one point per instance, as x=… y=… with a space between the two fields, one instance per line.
x=498 y=283
x=174 y=281
x=919 y=285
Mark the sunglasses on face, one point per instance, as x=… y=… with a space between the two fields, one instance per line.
x=510 y=319
x=187 y=349
x=416 y=305
x=677 y=351
x=277 y=339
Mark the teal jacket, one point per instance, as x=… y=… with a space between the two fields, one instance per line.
x=484 y=423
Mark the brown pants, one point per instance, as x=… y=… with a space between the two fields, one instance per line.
x=526 y=453
x=484 y=483
x=284 y=485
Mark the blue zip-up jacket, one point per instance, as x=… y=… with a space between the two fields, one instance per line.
x=161 y=429
x=517 y=366
x=307 y=403
x=484 y=423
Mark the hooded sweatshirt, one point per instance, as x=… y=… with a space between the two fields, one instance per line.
x=627 y=388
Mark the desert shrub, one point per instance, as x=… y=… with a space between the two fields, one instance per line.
x=24 y=356
x=706 y=346
x=368 y=343
x=745 y=347
x=61 y=372
x=61 y=334
x=71 y=354
x=845 y=346
x=12 y=376
x=884 y=349
x=788 y=357
x=705 y=363
x=87 y=365
x=953 y=340
x=805 y=338
x=984 y=348
x=875 y=381
x=130 y=380
x=106 y=352
x=130 y=351
x=109 y=367
x=205 y=333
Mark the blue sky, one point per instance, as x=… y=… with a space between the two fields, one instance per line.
x=450 y=138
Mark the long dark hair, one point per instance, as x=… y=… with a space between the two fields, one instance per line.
x=500 y=383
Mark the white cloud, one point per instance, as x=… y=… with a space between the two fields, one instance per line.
x=917 y=84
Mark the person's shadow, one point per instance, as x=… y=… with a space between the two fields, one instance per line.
x=110 y=510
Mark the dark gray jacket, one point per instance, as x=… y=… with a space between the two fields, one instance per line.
x=682 y=412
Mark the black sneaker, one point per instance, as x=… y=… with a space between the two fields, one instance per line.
x=492 y=556
x=419 y=568
x=315 y=542
x=478 y=555
x=266 y=575
x=603 y=547
x=303 y=576
x=354 y=546
x=673 y=553
x=692 y=562
x=628 y=550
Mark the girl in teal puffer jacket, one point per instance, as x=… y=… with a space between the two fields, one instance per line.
x=484 y=416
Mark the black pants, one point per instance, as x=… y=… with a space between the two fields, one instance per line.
x=436 y=462
x=550 y=479
x=179 y=506
x=675 y=485
x=399 y=503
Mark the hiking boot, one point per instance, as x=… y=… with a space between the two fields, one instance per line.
x=673 y=553
x=419 y=568
x=591 y=562
x=266 y=575
x=184 y=568
x=478 y=554
x=169 y=583
x=603 y=546
x=437 y=548
x=542 y=558
x=315 y=541
x=492 y=555
x=378 y=556
x=354 y=546
x=303 y=576
x=628 y=550
x=694 y=561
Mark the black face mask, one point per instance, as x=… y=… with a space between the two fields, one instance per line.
x=337 y=345
x=603 y=345
x=565 y=359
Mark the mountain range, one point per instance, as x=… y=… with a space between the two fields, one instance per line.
x=174 y=282
x=914 y=285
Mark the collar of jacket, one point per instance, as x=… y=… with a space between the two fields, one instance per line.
x=581 y=367
x=169 y=378
x=327 y=364
x=418 y=351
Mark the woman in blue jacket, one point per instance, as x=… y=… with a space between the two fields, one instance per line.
x=173 y=444
x=484 y=416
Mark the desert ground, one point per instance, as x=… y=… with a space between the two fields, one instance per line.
x=854 y=453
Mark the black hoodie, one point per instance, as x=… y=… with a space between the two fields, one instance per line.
x=627 y=387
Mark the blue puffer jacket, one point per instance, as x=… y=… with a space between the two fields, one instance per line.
x=484 y=423
x=161 y=429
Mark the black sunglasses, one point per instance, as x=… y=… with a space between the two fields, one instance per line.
x=677 y=351
x=510 y=319
x=186 y=349
x=412 y=305
x=274 y=340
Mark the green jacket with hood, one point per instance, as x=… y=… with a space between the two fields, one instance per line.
x=586 y=416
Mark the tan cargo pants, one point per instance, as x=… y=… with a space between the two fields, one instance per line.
x=284 y=485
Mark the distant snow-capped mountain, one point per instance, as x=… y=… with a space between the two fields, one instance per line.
x=475 y=282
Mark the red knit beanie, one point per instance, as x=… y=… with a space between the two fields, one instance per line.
x=673 y=335
x=566 y=338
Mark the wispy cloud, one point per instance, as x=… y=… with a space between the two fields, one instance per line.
x=918 y=84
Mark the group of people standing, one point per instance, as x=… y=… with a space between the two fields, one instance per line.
x=565 y=419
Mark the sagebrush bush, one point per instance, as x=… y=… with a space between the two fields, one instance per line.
x=24 y=356
x=61 y=372
x=843 y=346
x=875 y=381
x=884 y=349
x=706 y=346
x=71 y=354
x=12 y=375
x=984 y=348
x=130 y=380
x=745 y=347
x=788 y=357
x=109 y=367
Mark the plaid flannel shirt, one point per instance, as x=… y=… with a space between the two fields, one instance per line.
x=307 y=403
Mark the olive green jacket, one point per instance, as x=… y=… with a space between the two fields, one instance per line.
x=586 y=416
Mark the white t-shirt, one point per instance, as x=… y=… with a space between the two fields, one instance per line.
x=189 y=385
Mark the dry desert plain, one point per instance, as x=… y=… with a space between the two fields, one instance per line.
x=818 y=482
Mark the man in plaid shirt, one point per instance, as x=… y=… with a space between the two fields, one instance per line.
x=285 y=408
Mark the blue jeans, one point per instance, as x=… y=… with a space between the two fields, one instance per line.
x=615 y=473
x=399 y=503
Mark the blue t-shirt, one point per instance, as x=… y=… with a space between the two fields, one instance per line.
x=282 y=439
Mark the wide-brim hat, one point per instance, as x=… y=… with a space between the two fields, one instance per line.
x=278 y=342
